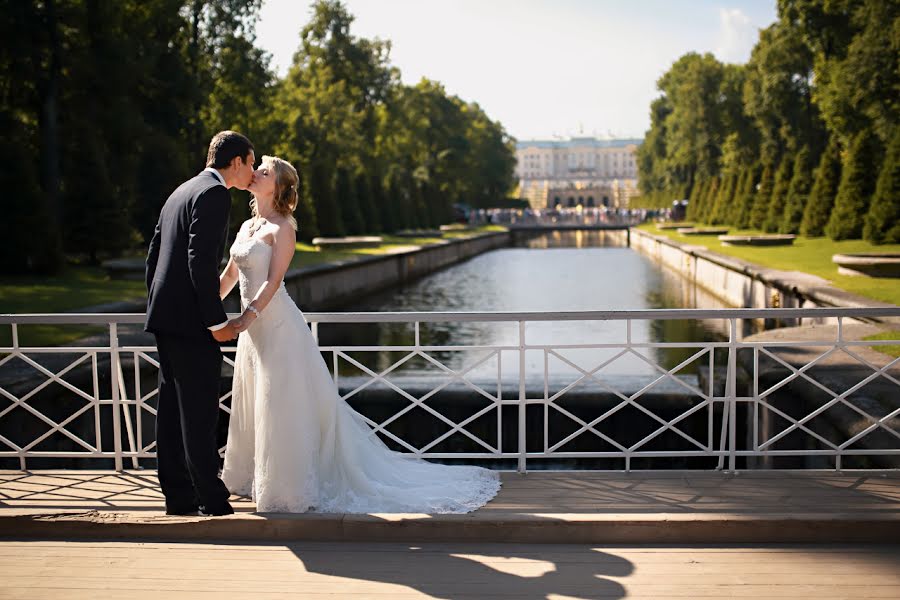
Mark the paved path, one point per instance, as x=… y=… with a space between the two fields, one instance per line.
x=660 y=507
x=136 y=571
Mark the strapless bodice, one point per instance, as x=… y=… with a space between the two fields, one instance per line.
x=252 y=256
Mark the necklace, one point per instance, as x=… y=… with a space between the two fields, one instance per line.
x=258 y=220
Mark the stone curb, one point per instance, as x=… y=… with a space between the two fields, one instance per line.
x=659 y=528
x=809 y=286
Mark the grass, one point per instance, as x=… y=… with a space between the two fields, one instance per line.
x=74 y=288
x=79 y=287
x=810 y=255
x=889 y=349
x=308 y=255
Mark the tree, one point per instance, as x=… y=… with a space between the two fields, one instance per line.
x=855 y=190
x=651 y=154
x=857 y=74
x=321 y=186
x=882 y=223
x=25 y=223
x=761 y=198
x=827 y=177
x=371 y=218
x=724 y=198
x=698 y=191
x=798 y=192
x=743 y=204
x=30 y=224
x=709 y=198
x=307 y=224
x=694 y=128
x=345 y=197
x=778 y=199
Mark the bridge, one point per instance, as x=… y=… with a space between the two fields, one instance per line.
x=818 y=403
x=562 y=219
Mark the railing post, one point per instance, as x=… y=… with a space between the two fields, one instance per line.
x=731 y=395
x=115 y=365
x=15 y=345
x=523 y=448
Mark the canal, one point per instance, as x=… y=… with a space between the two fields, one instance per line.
x=553 y=272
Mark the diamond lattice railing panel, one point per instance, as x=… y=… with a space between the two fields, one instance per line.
x=482 y=425
x=49 y=402
x=419 y=386
x=417 y=427
x=837 y=399
x=623 y=412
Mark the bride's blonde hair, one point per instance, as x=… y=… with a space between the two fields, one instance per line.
x=286 y=193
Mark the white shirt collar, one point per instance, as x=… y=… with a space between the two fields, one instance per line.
x=216 y=173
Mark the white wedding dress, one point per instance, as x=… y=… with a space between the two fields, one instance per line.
x=294 y=445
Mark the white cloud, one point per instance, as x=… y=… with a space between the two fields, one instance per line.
x=736 y=36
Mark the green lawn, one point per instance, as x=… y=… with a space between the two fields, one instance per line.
x=307 y=254
x=79 y=287
x=810 y=255
x=890 y=349
x=74 y=288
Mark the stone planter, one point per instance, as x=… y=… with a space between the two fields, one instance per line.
x=455 y=227
x=868 y=264
x=359 y=241
x=702 y=230
x=665 y=226
x=758 y=240
x=414 y=233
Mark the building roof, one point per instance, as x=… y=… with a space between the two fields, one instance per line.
x=578 y=142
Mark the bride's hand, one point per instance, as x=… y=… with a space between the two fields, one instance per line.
x=245 y=320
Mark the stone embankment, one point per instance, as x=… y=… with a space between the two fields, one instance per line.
x=748 y=285
x=326 y=286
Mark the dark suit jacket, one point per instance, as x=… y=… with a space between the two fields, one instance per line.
x=183 y=260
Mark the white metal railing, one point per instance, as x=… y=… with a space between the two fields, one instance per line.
x=103 y=406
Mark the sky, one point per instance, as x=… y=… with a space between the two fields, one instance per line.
x=543 y=68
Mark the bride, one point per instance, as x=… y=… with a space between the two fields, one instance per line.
x=293 y=444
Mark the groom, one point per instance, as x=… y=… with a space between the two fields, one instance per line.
x=185 y=314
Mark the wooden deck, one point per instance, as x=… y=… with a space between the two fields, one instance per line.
x=37 y=570
x=102 y=535
x=661 y=508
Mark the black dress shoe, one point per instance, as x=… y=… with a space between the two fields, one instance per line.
x=218 y=511
x=184 y=511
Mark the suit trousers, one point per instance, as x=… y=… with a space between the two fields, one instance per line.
x=186 y=422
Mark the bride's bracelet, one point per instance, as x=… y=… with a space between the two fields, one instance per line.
x=252 y=309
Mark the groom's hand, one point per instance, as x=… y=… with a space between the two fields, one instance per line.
x=241 y=323
x=225 y=334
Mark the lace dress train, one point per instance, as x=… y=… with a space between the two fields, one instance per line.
x=294 y=445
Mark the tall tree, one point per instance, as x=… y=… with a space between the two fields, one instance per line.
x=798 y=192
x=724 y=198
x=827 y=177
x=855 y=189
x=761 y=198
x=882 y=223
x=740 y=217
x=30 y=224
x=778 y=199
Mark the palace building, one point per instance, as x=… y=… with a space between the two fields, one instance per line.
x=582 y=171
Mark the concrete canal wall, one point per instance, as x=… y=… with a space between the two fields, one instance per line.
x=743 y=284
x=324 y=287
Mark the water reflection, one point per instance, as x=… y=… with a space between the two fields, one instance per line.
x=559 y=271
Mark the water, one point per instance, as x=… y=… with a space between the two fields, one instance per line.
x=560 y=271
